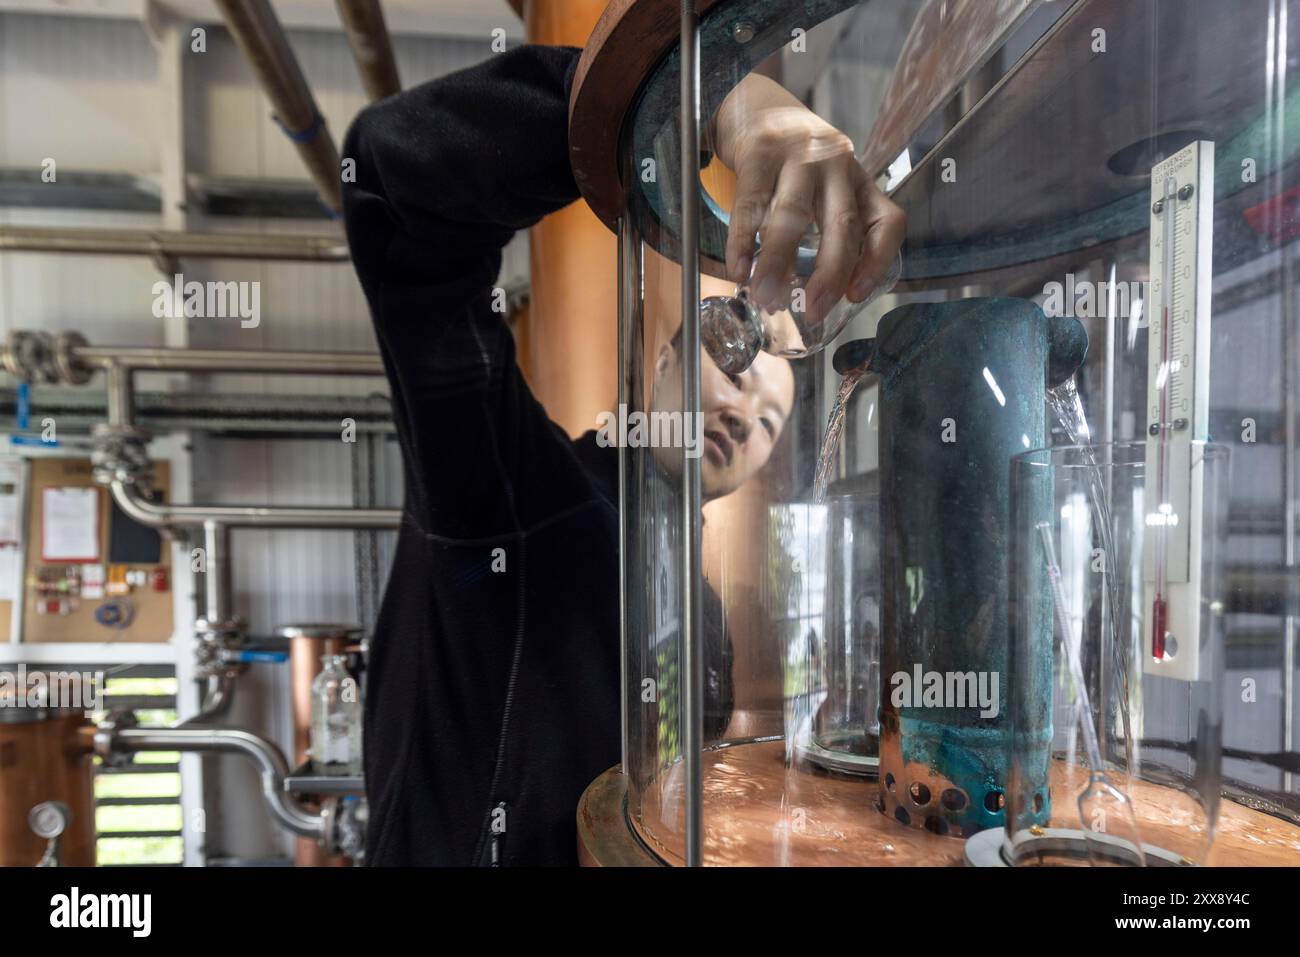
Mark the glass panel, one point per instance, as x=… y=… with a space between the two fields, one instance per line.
x=1100 y=244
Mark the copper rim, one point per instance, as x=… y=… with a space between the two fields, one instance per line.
x=628 y=40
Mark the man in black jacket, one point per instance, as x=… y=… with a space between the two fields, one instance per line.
x=493 y=694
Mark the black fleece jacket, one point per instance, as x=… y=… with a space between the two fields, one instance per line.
x=493 y=687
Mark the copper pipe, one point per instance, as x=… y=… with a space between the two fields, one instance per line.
x=259 y=34
x=363 y=22
x=568 y=358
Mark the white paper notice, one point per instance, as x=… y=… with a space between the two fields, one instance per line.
x=70 y=525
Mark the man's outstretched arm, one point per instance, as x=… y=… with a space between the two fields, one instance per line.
x=446 y=173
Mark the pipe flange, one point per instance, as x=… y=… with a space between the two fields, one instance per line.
x=214 y=639
x=120 y=455
x=11 y=356
x=218 y=632
x=329 y=816
x=29 y=356
x=71 y=369
x=47 y=366
x=105 y=738
x=343 y=826
x=350 y=828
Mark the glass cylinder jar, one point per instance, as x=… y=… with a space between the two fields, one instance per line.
x=1116 y=746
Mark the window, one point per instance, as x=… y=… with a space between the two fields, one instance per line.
x=138 y=807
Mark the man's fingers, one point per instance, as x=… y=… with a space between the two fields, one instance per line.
x=753 y=193
x=886 y=228
x=841 y=225
x=788 y=216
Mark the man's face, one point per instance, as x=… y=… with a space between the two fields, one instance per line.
x=743 y=414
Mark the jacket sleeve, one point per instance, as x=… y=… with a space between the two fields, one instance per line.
x=445 y=173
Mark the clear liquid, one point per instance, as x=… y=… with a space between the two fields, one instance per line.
x=834 y=426
x=1067 y=408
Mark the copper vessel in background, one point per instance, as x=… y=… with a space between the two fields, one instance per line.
x=45 y=757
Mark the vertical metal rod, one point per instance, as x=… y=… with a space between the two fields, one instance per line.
x=625 y=303
x=1290 y=492
x=1276 y=88
x=692 y=618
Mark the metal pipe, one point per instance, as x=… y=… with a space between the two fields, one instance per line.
x=163 y=515
x=363 y=23
x=692 y=617
x=628 y=295
x=216 y=701
x=259 y=34
x=133 y=359
x=217 y=586
x=274 y=769
x=177 y=245
x=119 y=395
x=121 y=363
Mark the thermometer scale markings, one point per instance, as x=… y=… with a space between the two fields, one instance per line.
x=1178 y=404
x=1165 y=383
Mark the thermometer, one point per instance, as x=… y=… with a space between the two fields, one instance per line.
x=1178 y=408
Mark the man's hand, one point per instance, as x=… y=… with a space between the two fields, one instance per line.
x=792 y=169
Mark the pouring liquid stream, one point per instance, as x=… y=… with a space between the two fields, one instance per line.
x=834 y=426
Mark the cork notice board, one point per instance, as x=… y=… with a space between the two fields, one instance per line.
x=61 y=594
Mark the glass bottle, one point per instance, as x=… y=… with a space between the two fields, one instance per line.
x=735 y=328
x=335 y=719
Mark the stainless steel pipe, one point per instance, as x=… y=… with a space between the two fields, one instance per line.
x=133 y=359
x=158 y=515
x=120 y=364
x=271 y=763
x=178 y=245
x=218 y=585
x=259 y=34
x=217 y=698
x=363 y=23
